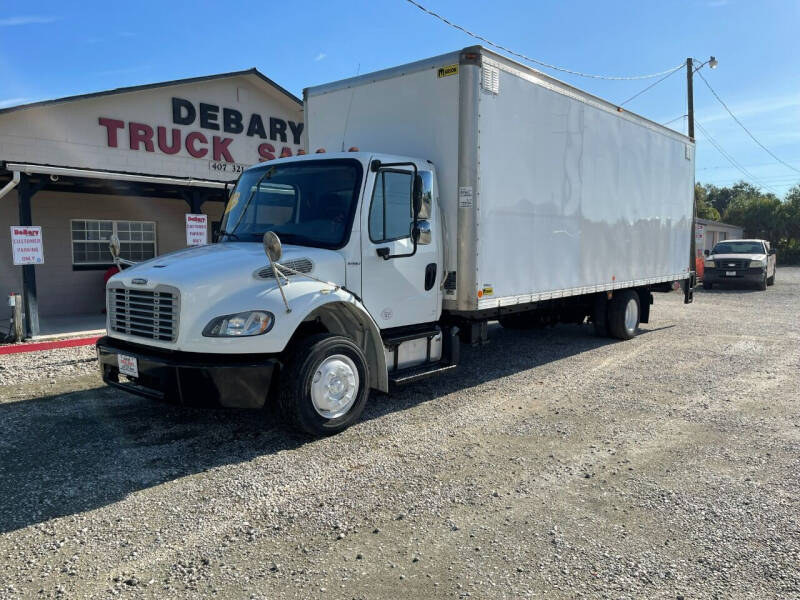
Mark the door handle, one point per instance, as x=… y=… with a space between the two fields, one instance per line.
x=430 y=276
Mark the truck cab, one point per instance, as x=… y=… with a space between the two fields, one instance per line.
x=354 y=295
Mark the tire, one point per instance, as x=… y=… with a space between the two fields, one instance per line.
x=305 y=402
x=771 y=280
x=623 y=315
x=707 y=285
x=762 y=285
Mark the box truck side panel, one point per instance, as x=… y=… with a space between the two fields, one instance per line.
x=573 y=198
x=411 y=111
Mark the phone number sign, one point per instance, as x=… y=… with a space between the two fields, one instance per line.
x=26 y=245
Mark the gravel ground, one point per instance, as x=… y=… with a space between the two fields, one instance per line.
x=551 y=464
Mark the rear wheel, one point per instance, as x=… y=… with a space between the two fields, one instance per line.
x=623 y=315
x=325 y=385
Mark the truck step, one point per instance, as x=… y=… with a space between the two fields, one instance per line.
x=413 y=374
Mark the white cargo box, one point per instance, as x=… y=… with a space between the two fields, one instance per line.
x=547 y=191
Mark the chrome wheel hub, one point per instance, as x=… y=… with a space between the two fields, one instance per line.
x=631 y=315
x=334 y=386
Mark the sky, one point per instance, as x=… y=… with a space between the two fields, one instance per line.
x=56 y=49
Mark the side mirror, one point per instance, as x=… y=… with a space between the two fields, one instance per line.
x=422 y=233
x=772 y=250
x=417 y=195
x=272 y=246
x=706 y=252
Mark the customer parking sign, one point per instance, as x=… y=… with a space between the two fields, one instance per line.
x=26 y=245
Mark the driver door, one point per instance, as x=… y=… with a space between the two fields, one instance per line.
x=400 y=290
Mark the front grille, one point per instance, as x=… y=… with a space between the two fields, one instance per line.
x=732 y=263
x=302 y=265
x=151 y=314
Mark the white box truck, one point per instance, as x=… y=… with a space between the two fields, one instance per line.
x=473 y=188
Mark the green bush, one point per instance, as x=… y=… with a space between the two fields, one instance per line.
x=788 y=256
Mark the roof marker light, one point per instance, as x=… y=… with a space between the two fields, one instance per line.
x=353 y=149
x=320 y=151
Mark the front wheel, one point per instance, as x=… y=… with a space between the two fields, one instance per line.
x=325 y=385
x=762 y=285
x=771 y=280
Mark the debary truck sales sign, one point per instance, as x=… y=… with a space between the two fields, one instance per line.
x=26 y=245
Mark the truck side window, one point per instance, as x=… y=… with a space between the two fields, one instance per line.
x=390 y=214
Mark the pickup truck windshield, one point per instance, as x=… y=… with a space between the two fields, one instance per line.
x=310 y=203
x=739 y=248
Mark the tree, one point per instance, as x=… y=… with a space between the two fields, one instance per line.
x=759 y=214
x=704 y=209
x=720 y=198
x=789 y=216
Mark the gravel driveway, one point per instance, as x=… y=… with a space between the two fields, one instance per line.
x=551 y=464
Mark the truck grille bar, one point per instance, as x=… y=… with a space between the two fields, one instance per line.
x=732 y=263
x=151 y=314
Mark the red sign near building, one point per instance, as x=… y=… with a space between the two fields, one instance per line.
x=26 y=245
x=211 y=117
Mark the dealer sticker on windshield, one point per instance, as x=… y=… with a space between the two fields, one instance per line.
x=128 y=365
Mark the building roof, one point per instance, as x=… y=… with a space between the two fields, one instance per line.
x=717 y=223
x=138 y=88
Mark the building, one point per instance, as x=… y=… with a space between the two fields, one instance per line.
x=708 y=233
x=131 y=161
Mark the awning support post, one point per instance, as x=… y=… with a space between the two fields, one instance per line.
x=26 y=191
x=195 y=199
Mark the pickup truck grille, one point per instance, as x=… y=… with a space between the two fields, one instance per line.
x=732 y=263
x=151 y=314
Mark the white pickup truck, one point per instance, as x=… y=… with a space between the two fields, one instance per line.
x=740 y=261
x=485 y=191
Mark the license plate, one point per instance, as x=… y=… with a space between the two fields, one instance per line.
x=730 y=273
x=128 y=365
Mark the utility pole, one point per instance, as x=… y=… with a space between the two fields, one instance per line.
x=690 y=94
x=689 y=292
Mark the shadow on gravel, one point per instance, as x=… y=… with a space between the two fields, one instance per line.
x=69 y=453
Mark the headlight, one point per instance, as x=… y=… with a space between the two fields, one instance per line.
x=709 y=264
x=758 y=263
x=243 y=324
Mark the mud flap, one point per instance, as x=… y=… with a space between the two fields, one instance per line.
x=688 y=288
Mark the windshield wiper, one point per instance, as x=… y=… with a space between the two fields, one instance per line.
x=229 y=233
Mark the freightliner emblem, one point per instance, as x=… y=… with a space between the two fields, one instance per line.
x=139 y=281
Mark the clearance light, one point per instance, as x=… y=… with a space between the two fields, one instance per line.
x=320 y=151
x=353 y=149
x=301 y=152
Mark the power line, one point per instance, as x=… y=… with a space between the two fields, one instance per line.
x=730 y=158
x=675 y=119
x=675 y=70
x=747 y=131
x=533 y=60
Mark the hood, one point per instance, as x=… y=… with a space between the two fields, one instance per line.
x=231 y=265
x=723 y=257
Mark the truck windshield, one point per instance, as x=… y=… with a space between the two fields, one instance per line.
x=311 y=203
x=739 y=248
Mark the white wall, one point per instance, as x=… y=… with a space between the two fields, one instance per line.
x=61 y=290
x=70 y=134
